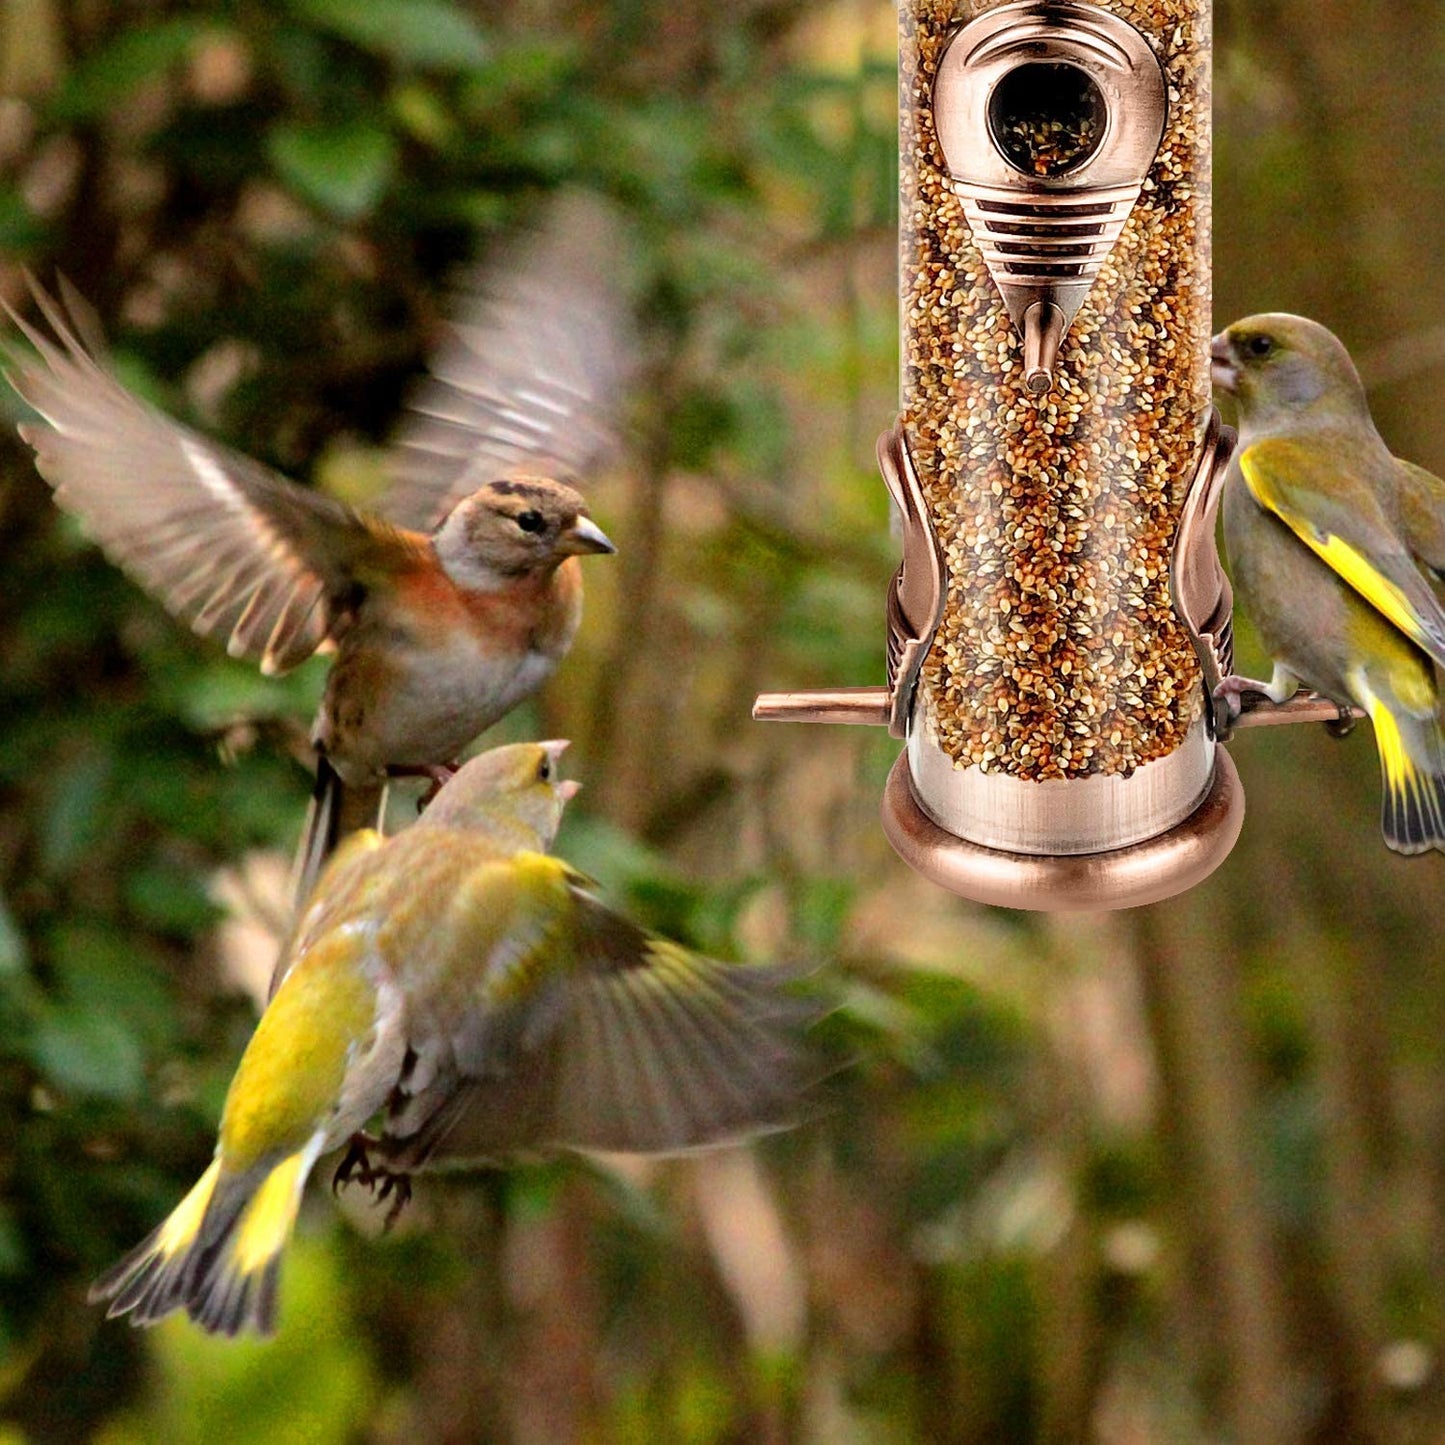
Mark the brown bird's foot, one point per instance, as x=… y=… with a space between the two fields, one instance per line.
x=440 y=774
x=356 y=1168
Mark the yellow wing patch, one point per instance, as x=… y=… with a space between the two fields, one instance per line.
x=1345 y=561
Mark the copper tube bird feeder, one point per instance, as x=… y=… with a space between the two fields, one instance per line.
x=1059 y=618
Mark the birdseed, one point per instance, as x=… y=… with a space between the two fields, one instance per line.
x=1059 y=654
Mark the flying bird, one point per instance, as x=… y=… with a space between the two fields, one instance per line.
x=447 y=608
x=1334 y=545
x=475 y=995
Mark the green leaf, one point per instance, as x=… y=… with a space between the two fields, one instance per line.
x=20 y=228
x=13 y=951
x=167 y=898
x=73 y=819
x=88 y=1053
x=430 y=33
x=343 y=169
x=106 y=77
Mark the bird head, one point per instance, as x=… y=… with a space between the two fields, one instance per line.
x=515 y=526
x=512 y=795
x=1286 y=370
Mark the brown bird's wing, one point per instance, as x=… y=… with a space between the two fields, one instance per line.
x=232 y=548
x=533 y=374
x=1422 y=512
x=627 y=1042
x=1339 y=517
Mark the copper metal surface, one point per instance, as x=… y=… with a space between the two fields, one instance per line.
x=915 y=602
x=1045 y=237
x=1061 y=816
x=866 y=705
x=1120 y=878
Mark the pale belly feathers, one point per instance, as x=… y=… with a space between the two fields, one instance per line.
x=436 y=702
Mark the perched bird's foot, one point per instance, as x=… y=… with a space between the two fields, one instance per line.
x=1232 y=692
x=1343 y=725
x=439 y=775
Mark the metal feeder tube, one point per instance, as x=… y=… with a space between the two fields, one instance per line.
x=1055 y=321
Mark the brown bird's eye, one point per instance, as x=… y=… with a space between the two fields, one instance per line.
x=531 y=521
x=1261 y=345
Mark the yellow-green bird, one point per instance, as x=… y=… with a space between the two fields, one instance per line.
x=468 y=995
x=1333 y=544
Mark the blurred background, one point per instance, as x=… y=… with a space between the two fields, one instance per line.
x=1173 y=1175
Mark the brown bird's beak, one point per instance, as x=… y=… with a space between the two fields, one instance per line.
x=1222 y=369
x=582 y=537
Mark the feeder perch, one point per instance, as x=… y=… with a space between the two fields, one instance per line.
x=1060 y=619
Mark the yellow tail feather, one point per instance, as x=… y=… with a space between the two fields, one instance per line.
x=1412 y=768
x=218 y=1254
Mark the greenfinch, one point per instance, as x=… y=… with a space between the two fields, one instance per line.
x=445 y=610
x=1333 y=545
x=467 y=994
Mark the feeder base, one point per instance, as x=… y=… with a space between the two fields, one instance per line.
x=1144 y=872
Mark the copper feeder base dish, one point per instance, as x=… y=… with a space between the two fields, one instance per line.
x=1130 y=877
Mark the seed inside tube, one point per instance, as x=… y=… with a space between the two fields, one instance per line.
x=1057 y=518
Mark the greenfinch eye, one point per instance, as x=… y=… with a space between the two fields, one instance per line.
x=531 y=521
x=1260 y=345
x=544 y=770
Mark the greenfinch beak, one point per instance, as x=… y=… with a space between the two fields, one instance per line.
x=1222 y=366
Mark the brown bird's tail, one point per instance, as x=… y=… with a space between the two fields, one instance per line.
x=1412 y=768
x=337 y=809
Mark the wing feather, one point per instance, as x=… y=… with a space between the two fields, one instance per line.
x=1359 y=542
x=533 y=374
x=624 y=1041
x=234 y=549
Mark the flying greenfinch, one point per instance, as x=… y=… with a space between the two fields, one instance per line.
x=469 y=996
x=1332 y=543
x=446 y=611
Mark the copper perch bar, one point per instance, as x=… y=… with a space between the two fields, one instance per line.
x=1303 y=707
x=866 y=705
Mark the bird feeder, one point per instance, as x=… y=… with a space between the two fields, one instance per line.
x=1056 y=430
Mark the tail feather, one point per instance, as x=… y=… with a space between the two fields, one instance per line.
x=218 y=1255
x=1412 y=769
x=336 y=810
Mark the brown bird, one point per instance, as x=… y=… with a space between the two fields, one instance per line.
x=438 y=633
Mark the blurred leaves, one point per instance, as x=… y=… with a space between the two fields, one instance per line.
x=427 y=33
x=342 y=168
x=110 y=75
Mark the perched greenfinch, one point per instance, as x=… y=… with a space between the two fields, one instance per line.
x=1332 y=543
x=469 y=995
x=444 y=613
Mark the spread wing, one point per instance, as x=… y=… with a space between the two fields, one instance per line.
x=1422 y=511
x=600 y=1035
x=232 y=548
x=533 y=374
x=1350 y=532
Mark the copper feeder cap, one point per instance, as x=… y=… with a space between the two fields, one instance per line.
x=1049 y=116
